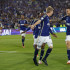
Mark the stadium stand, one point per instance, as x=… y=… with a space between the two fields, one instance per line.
x=10 y=10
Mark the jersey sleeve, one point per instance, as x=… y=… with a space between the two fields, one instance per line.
x=50 y=31
x=43 y=17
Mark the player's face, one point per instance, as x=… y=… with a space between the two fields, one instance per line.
x=68 y=12
x=51 y=13
x=22 y=16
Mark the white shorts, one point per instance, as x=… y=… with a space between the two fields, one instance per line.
x=44 y=39
x=22 y=34
x=35 y=41
x=67 y=38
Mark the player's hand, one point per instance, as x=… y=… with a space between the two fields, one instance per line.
x=32 y=26
x=54 y=35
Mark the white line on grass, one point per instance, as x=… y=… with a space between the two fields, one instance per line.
x=8 y=51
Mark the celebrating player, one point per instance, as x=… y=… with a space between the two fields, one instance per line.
x=67 y=18
x=44 y=35
x=23 y=25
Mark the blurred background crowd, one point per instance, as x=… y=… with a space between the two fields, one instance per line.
x=10 y=10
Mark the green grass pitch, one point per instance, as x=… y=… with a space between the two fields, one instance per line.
x=14 y=57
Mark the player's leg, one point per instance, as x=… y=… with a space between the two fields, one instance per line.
x=23 y=37
x=68 y=48
x=35 y=55
x=42 y=53
x=50 y=45
x=35 y=44
x=39 y=44
x=0 y=31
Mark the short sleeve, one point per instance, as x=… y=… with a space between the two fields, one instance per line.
x=43 y=17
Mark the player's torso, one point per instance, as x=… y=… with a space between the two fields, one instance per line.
x=33 y=22
x=37 y=30
x=22 y=22
x=68 y=25
x=45 y=25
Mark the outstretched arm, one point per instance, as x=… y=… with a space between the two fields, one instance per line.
x=38 y=22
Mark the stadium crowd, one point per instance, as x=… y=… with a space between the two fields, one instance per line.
x=10 y=10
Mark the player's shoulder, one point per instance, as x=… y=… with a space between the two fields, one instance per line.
x=44 y=17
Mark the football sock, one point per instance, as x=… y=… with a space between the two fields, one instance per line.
x=68 y=54
x=41 y=54
x=35 y=53
x=23 y=41
x=48 y=53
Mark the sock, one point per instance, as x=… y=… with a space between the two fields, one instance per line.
x=48 y=53
x=68 y=54
x=41 y=54
x=23 y=41
x=35 y=53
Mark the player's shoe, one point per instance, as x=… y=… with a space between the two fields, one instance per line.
x=40 y=62
x=35 y=62
x=68 y=62
x=23 y=47
x=45 y=61
x=37 y=55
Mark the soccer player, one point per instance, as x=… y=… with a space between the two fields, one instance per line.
x=23 y=25
x=36 y=33
x=67 y=18
x=44 y=35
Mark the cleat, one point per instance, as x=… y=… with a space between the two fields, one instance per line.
x=68 y=62
x=35 y=62
x=39 y=62
x=23 y=47
x=45 y=61
x=37 y=55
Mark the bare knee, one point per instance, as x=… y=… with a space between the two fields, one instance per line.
x=68 y=44
x=43 y=46
x=23 y=37
x=51 y=47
